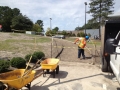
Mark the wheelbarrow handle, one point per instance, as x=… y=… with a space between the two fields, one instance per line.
x=27 y=72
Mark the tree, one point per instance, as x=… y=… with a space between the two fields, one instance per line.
x=40 y=23
x=100 y=9
x=5 y=17
x=12 y=18
x=64 y=32
x=48 y=32
x=36 y=27
x=78 y=28
x=16 y=12
x=55 y=30
x=91 y=25
x=22 y=23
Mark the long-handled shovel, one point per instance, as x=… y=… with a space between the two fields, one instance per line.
x=87 y=49
x=27 y=72
x=27 y=65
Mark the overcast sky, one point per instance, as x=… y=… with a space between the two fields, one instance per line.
x=65 y=14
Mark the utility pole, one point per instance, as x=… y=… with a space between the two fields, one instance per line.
x=85 y=17
x=51 y=37
x=50 y=23
x=100 y=21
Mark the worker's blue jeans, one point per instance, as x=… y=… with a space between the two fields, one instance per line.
x=81 y=51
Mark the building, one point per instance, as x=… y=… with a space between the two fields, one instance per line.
x=92 y=32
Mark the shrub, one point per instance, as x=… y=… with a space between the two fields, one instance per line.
x=33 y=59
x=39 y=54
x=78 y=35
x=36 y=55
x=18 y=62
x=4 y=65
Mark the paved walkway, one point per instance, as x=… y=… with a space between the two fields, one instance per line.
x=76 y=76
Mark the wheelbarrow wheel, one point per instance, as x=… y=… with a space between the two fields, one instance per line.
x=44 y=73
x=28 y=86
x=47 y=71
x=57 y=69
x=3 y=86
x=53 y=73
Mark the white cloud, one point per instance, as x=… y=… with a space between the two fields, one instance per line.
x=65 y=14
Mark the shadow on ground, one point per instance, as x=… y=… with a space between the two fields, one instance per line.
x=62 y=74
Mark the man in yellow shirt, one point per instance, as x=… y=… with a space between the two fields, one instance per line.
x=81 y=45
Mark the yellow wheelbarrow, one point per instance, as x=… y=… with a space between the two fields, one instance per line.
x=16 y=80
x=50 y=65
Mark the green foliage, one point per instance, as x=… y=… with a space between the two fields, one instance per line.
x=33 y=59
x=18 y=62
x=12 y=18
x=40 y=23
x=100 y=9
x=16 y=12
x=49 y=32
x=64 y=32
x=78 y=28
x=4 y=65
x=35 y=56
x=69 y=34
x=52 y=32
x=73 y=35
x=39 y=54
x=55 y=30
x=36 y=27
x=6 y=16
x=81 y=34
x=78 y=34
x=22 y=23
x=91 y=25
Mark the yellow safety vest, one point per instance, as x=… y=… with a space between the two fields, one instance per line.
x=82 y=43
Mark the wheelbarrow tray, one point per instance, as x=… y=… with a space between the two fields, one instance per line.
x=49 y=63
x=15 y=80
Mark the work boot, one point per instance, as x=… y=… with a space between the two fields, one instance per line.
x=80 y=58
x=84 y=58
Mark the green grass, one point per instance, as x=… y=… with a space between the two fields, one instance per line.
x=71 y=39
x=13 y=44
x=14 y=34
x=43 y=39
x=5 y=46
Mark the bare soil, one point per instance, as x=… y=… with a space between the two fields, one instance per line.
x=70 y=51
x=61 y=48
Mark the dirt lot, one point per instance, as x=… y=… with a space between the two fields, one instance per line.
x=70 y=51
x=19 y=48
x=75 y=74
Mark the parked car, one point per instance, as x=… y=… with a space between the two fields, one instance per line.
x=59 y=36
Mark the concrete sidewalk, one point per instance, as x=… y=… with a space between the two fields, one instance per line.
x=76 y=76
